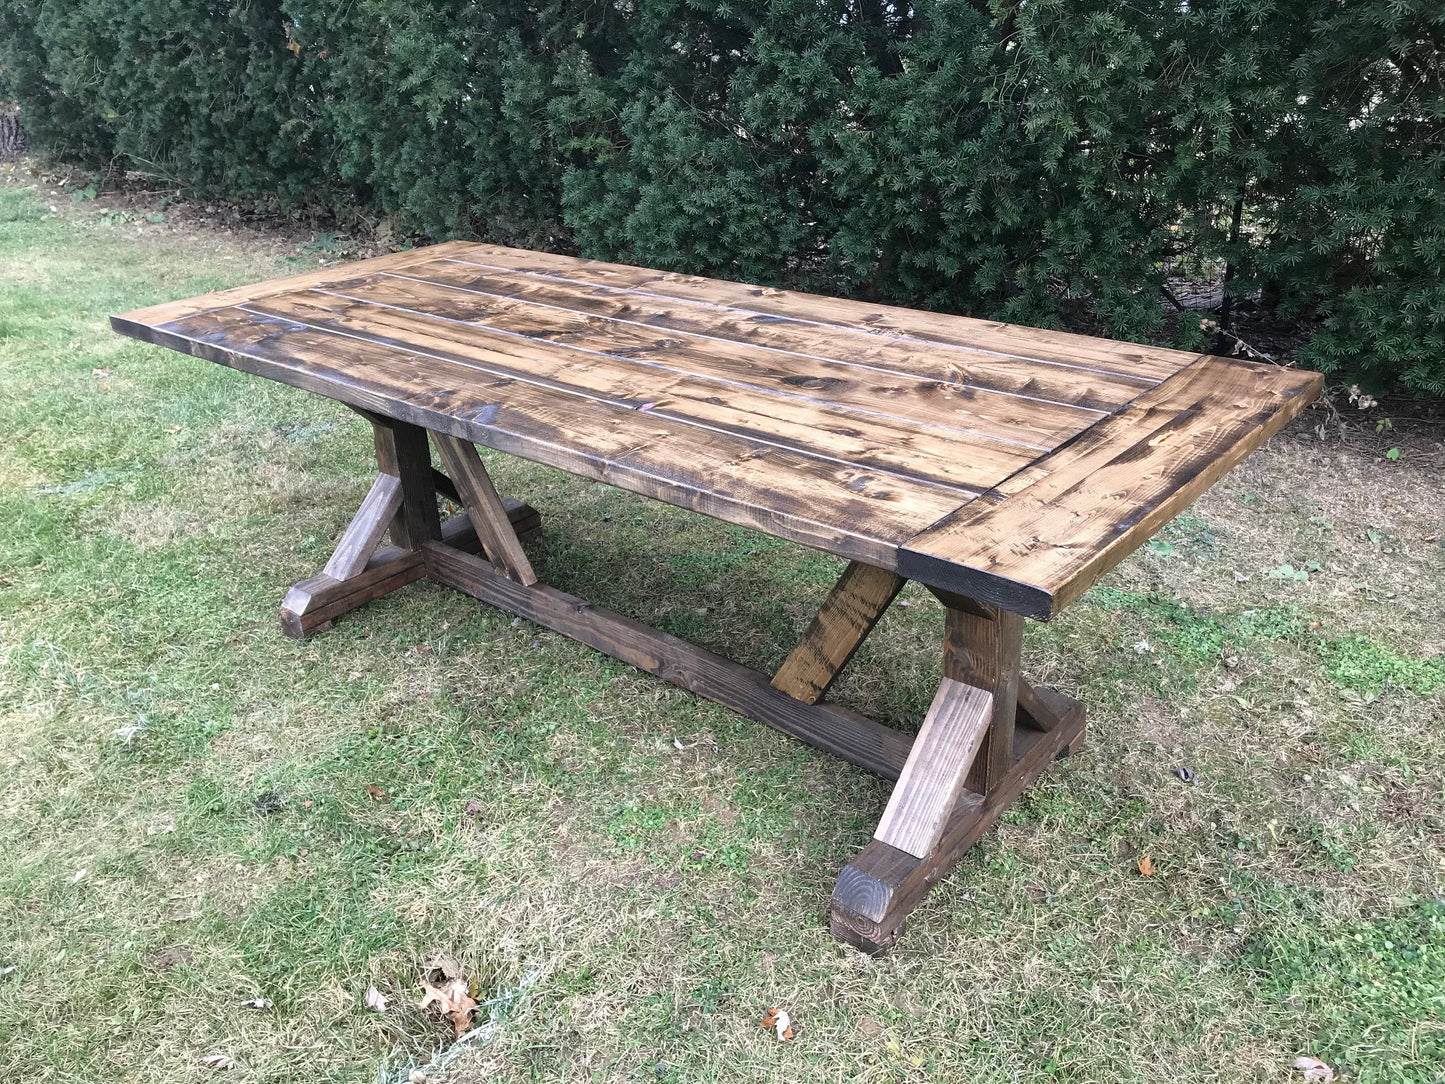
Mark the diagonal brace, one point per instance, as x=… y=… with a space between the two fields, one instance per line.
x=933 y=778
x=363 y=534
x=846 y=618
x=488 y=515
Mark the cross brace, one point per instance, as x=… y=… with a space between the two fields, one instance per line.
x=987 y=735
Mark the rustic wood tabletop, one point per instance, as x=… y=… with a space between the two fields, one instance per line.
x=1006 y=468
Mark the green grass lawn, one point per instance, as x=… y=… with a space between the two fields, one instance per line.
x=185 y=821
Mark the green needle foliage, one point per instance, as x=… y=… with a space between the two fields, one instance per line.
x=1042 y=162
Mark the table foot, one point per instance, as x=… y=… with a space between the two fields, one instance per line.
x=310 y=605
x=988 y=734
x=882 y=885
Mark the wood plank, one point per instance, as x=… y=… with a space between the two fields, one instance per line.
x=362 y=535
x=310 y=605
x=847 y=616
x=175 y=310
x=854 y=513
x=1086 y=507
x=881 y=885
x=854 y=354
x=1046 y=709
x=981 y=647
x=904 y=446
x=932 y=780
x=402 y=450
x=1013 y=340
x=930 y=393
x=489 y=517
x=832 y=729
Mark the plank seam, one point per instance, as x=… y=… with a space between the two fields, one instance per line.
x=440 y=420
x=816 y=323
x=693 y=373
x=757 y=345
x=541 y=382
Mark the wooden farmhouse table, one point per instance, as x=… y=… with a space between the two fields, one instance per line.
x=1005 y=468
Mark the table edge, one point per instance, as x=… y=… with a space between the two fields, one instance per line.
x=924 y=558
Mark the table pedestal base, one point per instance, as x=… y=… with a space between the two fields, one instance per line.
x=987 y=736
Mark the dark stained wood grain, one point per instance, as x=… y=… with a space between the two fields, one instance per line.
x=155 y=315
x=1078 y=512
x=915 y=437
x=933 y=779
x=981 y=646
x=990 y=378
x=1011 y=464
x=363 y=533
x=402 y=450
x=484 y=506
x=848 y=615
x=1045 y=709
x=1005 y=340
x=932 y=397
x=857 y=513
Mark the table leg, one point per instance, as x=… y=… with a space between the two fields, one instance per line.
x=403 y=500
x=988 y=734
x=964 y=770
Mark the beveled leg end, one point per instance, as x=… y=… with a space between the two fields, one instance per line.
x=866 y=910
x=300 y=609
x=882 y=884
x=309 y=606
x=874 y=944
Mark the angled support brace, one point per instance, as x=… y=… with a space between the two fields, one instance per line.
x=848 y=615
x=933 y=779
x=489 y=517
x=363 y=534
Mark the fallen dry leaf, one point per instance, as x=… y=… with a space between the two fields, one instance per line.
x=445 y=990
x=447 y=965
x=375 y=999
x=1315 y=1071
x=1146 y=866
x=780 y=1022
